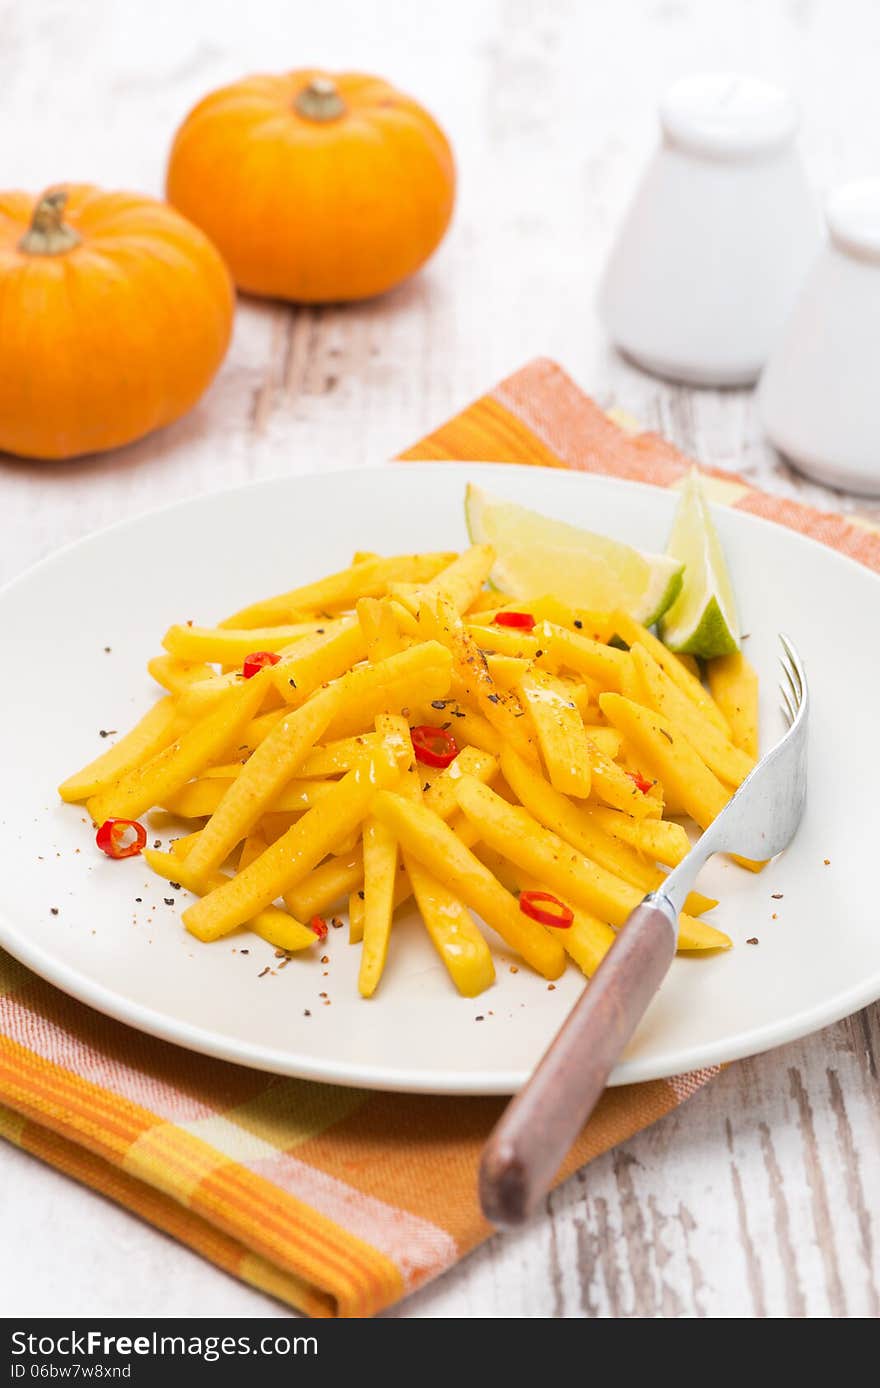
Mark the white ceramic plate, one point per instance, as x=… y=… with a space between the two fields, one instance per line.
x=818 y=960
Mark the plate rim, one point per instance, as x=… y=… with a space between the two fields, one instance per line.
x=111 y=1003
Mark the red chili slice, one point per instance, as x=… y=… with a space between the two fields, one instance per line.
x=433 y=746
x=258 y=660
x=524 y=621
x=560 y=916
x=113 y=838
x=640 y=782
x=319 y=925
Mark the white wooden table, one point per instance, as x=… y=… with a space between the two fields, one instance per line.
x=758 y=1198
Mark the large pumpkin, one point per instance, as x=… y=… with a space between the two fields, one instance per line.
x=115 y=313
x=315 y=188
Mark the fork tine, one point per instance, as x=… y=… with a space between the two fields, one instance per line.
x=794 y=688
x=787 y=710
x=793 y=664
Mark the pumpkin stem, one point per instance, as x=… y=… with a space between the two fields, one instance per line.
x=48 y=233
x=320 y=100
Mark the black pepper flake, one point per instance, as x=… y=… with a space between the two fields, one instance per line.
x=169 y=900
x=157 y=843
x=53 y=910
x=538 y=653
x=776 y=896
x=307 y=1013
x=139 y=899
x=458 y=713
x=106 y=650
x=481 y=1018
x=753 y=940
x=106 y=732
x=444 y=726
x=494 y=699
x=320 y=631
x=175 y=885
x=426 y=786
x=665 y=734
x=265 y=971
x=292 y=683
x=244 y=951
x=578 y=623
x=336 y=922
x=438 y=704
x=361 y=895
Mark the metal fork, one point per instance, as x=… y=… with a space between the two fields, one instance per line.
x=537 y=1128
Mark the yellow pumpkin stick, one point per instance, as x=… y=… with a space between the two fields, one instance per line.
x=587 y=940
x=262 y=779
x=380 y=869
x=734 y=687
x=517 y=835
x=632 y=631
x=291 y=857
x=326 y=886
x=560 y=732
x=453 y=933
x=462 y=580
x=151 y=783
x=318 y=659
x=557 y=813
x=332 y=758
x=662 y=840
x=271 y=924
x=667 y=751
x=433 y=844
x=204 y=797
x=368 y=579
x=148 y=736
x=220 y=647
x=660 y=693
x=177 y=675
x=380 y=628
x=576 y=652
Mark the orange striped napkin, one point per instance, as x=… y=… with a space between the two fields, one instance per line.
x=335 y=1200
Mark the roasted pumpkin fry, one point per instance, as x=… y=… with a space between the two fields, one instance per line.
x=435 y=846
x=660 y=693
x=368 y=579
x=555 y=812
x=517 y=835
x=271 y=924
x=153 y=781
x=453 y=932
x=734 y=687
x=154 y=731
x=291 y=857
x=560 y=733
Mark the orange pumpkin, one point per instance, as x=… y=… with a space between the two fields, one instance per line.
x=315 y=188
x=115 y=313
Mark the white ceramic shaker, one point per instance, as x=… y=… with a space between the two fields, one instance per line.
x=820 y=393
x=718 y=238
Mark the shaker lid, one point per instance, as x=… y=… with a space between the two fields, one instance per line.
x=853 y=213
x=727 y=115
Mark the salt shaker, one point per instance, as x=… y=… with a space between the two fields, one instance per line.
x=819 y=396
x=718 y=237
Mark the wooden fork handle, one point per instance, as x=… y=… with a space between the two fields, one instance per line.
x=536 y=1130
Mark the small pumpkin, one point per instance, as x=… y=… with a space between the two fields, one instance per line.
x=115 y=313
x=315 y=188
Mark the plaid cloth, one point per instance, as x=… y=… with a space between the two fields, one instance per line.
x=337 y=1201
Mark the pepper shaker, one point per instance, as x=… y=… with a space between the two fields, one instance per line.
x=718 y=237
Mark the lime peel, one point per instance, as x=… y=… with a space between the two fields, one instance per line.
x=703 y=620
x=536 y=555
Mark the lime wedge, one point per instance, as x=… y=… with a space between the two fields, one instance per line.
x=702 y=620
x=536 y=555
